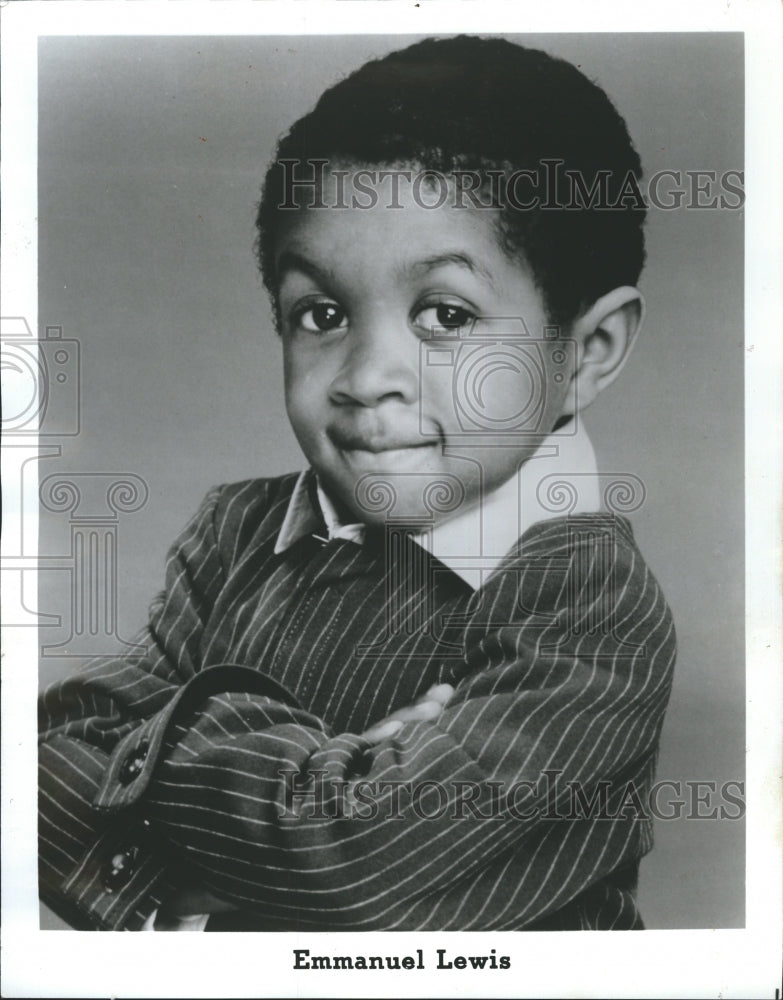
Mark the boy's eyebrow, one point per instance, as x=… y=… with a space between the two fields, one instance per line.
x=458 y=257
x=290 y=260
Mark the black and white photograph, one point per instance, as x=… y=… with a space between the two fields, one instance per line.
x=391 y=461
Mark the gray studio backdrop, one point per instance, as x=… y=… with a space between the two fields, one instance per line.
x=151 y=152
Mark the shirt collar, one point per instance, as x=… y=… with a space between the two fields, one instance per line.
x=308 y=516
x=473 y=543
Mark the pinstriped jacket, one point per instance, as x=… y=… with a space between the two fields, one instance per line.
x=228 y=753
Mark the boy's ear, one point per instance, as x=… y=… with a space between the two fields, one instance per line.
x=604 y=337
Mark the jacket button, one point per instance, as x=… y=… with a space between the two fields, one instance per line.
x=120 y=869
x=133 y=764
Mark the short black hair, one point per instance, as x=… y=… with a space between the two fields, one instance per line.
x=479 y=104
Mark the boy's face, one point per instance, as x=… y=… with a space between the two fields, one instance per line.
x=361 y=294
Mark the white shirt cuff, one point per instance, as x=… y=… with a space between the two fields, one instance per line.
x=193 y=922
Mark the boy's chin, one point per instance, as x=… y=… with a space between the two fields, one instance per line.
x=416 y=500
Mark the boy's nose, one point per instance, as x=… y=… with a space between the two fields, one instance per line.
x=379 y=364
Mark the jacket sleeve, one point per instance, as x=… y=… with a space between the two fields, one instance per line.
x=485 y=819
x=98 y=869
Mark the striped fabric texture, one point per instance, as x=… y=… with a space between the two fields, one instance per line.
x=230 y=754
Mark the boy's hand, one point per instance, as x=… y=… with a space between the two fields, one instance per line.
x=424 y=709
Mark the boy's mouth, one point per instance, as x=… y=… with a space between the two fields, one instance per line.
x=377 y=444
x=385 y=454
x=382 y=446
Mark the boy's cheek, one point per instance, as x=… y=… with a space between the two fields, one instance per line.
x=306 y=392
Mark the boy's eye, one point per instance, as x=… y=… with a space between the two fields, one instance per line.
x=444 y=315
x=321 y=317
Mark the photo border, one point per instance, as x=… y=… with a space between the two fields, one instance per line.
x=741 y=963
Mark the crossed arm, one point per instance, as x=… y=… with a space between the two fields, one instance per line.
x=196 y=899
x=213 y=800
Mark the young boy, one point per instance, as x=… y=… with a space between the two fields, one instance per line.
x=420 y=685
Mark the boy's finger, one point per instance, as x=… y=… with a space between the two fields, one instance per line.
x=438 y=692
x=382 y=730
x=428 y=707
x=420 y=712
